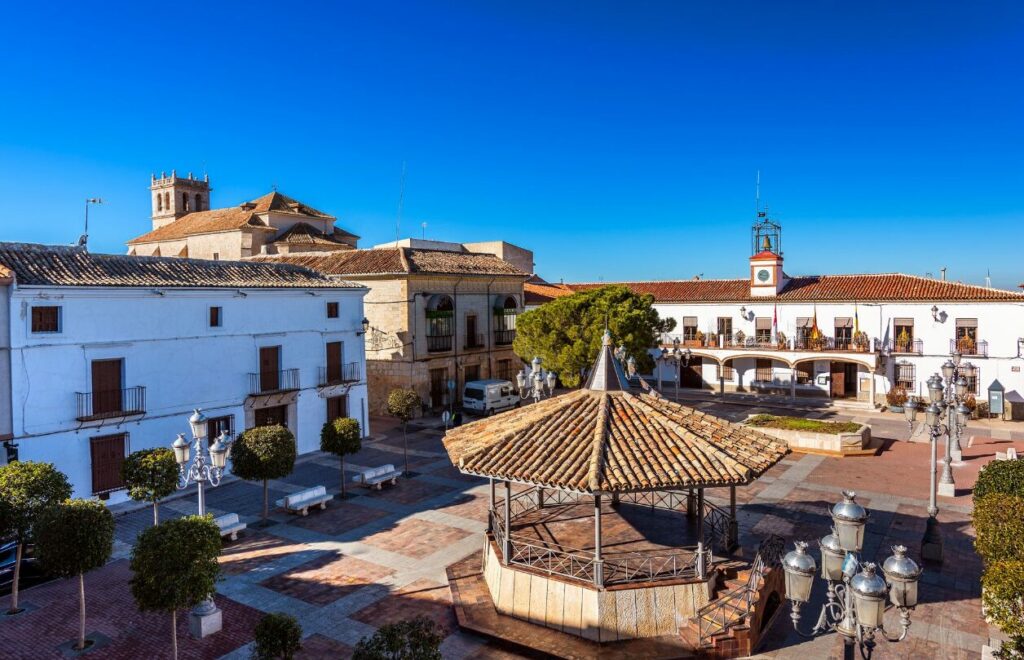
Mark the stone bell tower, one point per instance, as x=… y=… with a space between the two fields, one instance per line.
x=174 y=196
x=766 y=276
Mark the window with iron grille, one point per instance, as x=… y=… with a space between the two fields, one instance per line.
x=906 y=376
x=972 y=383
x=504 y=370
x=45 y=318
x=728 y=373
x=763 y=371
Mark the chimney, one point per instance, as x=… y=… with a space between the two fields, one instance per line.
x=943 y=271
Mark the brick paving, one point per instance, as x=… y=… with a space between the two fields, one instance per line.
x=381 y=556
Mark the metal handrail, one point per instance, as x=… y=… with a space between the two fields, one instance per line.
x=969 y=347
x=103 y=404
x=338 y=374
x=504 y=337
x=268 y=382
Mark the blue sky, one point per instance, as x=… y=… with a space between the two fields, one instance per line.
x=617 y=140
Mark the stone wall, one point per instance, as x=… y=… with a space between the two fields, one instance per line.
x=833 y=443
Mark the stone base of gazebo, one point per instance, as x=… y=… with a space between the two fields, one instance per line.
x=628 y=611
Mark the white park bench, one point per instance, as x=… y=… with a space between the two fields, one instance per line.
x=378 y=476
x=1010 y=455
x=302 y=501
x=229 y=525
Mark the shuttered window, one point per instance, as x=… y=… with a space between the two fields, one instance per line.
x=215 y=317
x=45 y=318
x=906 y=377
x=689 y=327
x=107 y=453
x=337 y=406
x=107 y=388
x=332 y=310
x=334 y=351
x=844 y=322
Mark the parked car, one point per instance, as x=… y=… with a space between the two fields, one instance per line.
x=486 y=397
x=31 y=574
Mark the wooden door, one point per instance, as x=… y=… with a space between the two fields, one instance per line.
x=337 y=406
x=438 y=387
x=270 y=368
x=838 y=378
x=693 y=374
x=107 y=454
x=850 y=379
x=106 y=387
x=271 y=416
x=334 y=362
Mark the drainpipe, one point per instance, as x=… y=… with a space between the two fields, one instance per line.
x=489 y=311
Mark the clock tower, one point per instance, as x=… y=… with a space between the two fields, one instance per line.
x=766 y=276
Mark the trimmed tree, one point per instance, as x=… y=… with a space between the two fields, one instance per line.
x=418 y=638
x=1002 y=599
x=566 y=332
x=150 y=475
x=341 y=437
x=1000 y=477
x=263 y=453
x=29 y=488
x=174 y=566
x=278 y=637
x=403 y=404
x=71 y=539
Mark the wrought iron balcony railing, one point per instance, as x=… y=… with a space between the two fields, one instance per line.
x=269 y=382
x=439 y=343
x=103 y=404
x=475 y=341
x=338 y=374
x=969 y=346
x=905 y=346
x=504 y=337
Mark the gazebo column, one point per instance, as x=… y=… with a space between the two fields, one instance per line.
x=490 y=510
x=540 y=497
x=506 y=552
x=792 y=382
x=733 y=525
x=700 y=533
x=690 y=503
x=598 y=562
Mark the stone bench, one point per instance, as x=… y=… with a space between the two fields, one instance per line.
x=378 y=476
x=229 y=525
x=302 y=501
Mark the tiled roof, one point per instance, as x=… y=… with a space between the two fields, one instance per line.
x=303 y=233
x=44 y=265
x=398 y=261
x=599 y=441
x=894 y=287
x=538 y=292
x=226 y=219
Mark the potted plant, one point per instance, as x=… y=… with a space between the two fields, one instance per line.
x=699 y=337
x=780 y=340
x=903 y=342
x=896 y=398
x=861 y=341
x=966 y=345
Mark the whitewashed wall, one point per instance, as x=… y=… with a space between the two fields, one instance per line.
x=168 y=347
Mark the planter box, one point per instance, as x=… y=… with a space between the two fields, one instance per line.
x=831 y=443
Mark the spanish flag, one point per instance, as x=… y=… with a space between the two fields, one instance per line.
x=856 y=320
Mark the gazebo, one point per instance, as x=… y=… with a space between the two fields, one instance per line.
x=630 y=461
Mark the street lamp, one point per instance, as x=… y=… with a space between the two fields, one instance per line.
x=205 y=619
x=856 y=593
x=532 y=384
x=931 y=544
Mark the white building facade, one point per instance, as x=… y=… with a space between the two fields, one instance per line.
x=109 y=354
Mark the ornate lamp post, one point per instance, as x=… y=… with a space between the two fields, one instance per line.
x=533 y=384
x=205 y=619
x=681 y=358
x=856 y=593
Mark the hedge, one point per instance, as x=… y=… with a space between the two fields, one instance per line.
x=1000 y=477
x=1001 y=597
x=999 y=524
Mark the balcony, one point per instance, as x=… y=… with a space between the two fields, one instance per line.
x=904 y=346
x=270 y=382
x=104 y=404
x=754 y=343
x=475 y=341
x=439 y=343
x=969 y=347
x=338 y=374
x=504 y=337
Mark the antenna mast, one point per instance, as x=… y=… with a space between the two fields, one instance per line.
x=83 y=240
x=401 y=201
x=757 y=193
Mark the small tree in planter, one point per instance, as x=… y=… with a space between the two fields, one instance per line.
x=403 y=403
x=263 y=453
x=150 y=475
x=412 y=639
x=71 y=539
x=29 y=488
x=174 y=566
x=278 y=637
x=341 y=437
x=896 y=398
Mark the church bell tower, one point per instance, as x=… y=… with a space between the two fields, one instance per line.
x=766 y=276
x=175 y=196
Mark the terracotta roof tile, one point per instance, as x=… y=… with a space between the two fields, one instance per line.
x=538 y=294
x=44 y=265
x=894 y=287
x=398 y=261
x=303 y=233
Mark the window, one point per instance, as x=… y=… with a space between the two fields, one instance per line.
x=504 y=370
x=763 y=371
x=45 y=318
x=472 y=339
x=689 y=326
x=167 y=201
x=335 y=351
x=505 y=312
x=972 y=383
x=803 y=331
x=337 y=407
x=472 y=373
x=107 y=453
x=275 y=415
x=725 y=326
x=903 y=331
x=159 y=202
x=804 y=373
x=107 y=387
x=440 y=323
x=967 y=336
x=763 y=330
x=217 y=425
x=199 y=202
x=906 y=376
x=215 y=317
x=184 y=202
x=727 y=372
x=216 y=256
x=270 y=368
x=332 y=310
x=844 y=332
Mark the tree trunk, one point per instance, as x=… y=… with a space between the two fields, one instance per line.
x=174 y=634
x=405 y=444
x=343 y=476
x=266 y=511
x=81 y=611
x=156 y=516
x=17 y=575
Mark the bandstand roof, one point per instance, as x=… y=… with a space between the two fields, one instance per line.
x=604 y=438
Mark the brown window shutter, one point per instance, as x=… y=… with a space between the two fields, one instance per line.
x=763 y=323
x=107 y=453
x=336 y=407
x=270 y=365
x=967 y=323
x=843 y=322
x=333 y=361
x=106 y=386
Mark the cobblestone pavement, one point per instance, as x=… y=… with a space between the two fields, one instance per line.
x=380 y=556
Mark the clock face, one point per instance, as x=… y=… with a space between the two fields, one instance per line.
x=764 y=274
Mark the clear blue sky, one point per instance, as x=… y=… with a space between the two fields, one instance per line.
x=617 y=140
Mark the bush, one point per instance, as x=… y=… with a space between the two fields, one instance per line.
x=277 y=637
x=412 y=639
x=1002 y=598
x=1000 y=477
x=263 y=453
x=999 y=523
x=897 y=396
x=403 y=403
x=150 y=475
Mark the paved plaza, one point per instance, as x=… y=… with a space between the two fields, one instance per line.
x=380 y=556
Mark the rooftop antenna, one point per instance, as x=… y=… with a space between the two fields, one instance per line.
x=83 y=240
x=943 y=271
x=757 y=195
x=424 y=225
x=988 y=278
x=401 y=201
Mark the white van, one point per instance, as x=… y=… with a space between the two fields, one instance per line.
x=486 y=397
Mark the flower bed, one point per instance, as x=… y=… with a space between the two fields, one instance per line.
x=814 y=434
